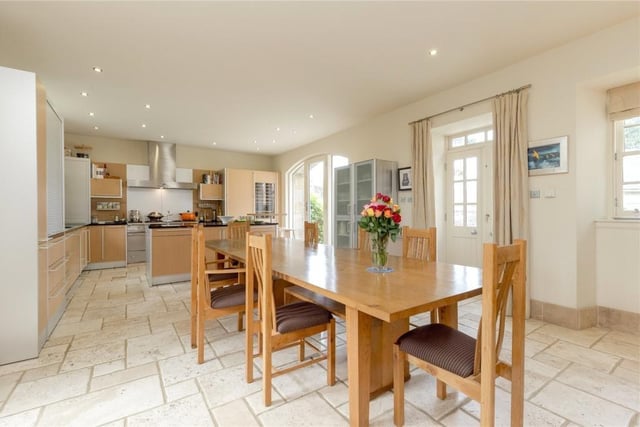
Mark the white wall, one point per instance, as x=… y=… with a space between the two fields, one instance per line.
x=562 y=238
x=18 y=191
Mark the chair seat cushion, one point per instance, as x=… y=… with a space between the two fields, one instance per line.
x=441 y=346
x=223 y=276
x=229 y=296
x=300 y=315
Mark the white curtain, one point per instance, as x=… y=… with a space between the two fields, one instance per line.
x=511 y=175
x=424 y=209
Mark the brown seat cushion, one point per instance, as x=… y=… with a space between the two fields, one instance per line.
x=225 y=276
x=229 y=296
x=300 y=315
x=441 y=346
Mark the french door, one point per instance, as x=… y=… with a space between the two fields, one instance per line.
x=308 y=196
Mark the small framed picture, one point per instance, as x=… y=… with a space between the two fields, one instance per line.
x=548 y=156
x=405 y=179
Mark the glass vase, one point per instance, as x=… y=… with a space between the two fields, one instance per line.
x=379 y=254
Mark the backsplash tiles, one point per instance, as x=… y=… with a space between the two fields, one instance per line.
x=150 y=199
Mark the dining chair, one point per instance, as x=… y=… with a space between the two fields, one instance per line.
x=364 y=242
x=467 y=364
x=237 y=230
x=294 y=293
x=280 y=327
x=211 y=299
x=310 y=233
x=420 y=243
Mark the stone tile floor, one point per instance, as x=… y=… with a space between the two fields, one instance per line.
x=121 y=356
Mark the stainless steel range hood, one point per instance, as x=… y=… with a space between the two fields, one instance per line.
x=162 y=168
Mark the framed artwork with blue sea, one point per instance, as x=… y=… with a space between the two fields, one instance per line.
x=548 y=156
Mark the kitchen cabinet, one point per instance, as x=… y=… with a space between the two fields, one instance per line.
x=107 y=246
x=169 y=255
x=72 y=242
x=265 y=229
x=77 y=190
x=211 y=192
x=56 y=293
x=354 y=186
x=84 y=247
x=106 y=188
x=249 y=191
x=55 y=171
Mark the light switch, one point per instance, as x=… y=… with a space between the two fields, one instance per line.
x=534 y=194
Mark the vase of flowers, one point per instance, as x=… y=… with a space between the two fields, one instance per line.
x=381 y=219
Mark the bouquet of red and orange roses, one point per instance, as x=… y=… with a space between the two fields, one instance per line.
x=382 y=217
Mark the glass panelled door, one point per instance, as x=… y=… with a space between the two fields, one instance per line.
x=464 y=227
x=307 y=196
x=343 y=208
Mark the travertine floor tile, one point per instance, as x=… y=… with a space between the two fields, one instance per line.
x=93 y=355
x=234 y=414
x=23 y=419
x=580 y=407
x=123 y=376
x=38 y=393
x=303 y=411
x=226 y=385
x=583 y=356
x=149 y=348
x=189 y=411
x=106 y=405
x=184 y=367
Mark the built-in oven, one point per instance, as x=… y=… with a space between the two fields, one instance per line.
x=136 y=248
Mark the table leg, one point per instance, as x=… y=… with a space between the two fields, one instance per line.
x=358 y=362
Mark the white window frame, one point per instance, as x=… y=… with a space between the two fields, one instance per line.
x=619 y=155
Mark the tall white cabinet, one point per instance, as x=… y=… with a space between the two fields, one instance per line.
x=354 y=186
x=77 y=185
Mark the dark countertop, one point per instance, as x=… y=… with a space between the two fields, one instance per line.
x=109 y=223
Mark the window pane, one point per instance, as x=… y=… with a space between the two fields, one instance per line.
x=632 y=138
x=458 y=170
x=472 y=192
x=632 y=121
x=475 y=138
x=457 y=142
x=458 y=215
x=631 y=168
x=631 y=197
x=472 y=211
x=458 y=192
x=490 y=135
x=472 y=168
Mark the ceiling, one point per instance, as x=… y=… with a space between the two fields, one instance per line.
x=247 y=76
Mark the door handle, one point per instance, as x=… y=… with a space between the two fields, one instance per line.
x=474 y=232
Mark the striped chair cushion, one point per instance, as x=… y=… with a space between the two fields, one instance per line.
x=229 y=296
x=441 y=346
x=225 y=276
x=300 y=315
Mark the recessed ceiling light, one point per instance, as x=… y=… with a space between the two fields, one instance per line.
x=92 y=114
x=433 y=52
x=257 y=148
x=144 y=126
x=97 y=69
x=96 y=128
x=293 y=131
x=277 y=129
x=214 y=143
x=311 y=116
x=147 y=106
x=84 y=93
x=255 y=141
x=273 y=142
x=161 y=136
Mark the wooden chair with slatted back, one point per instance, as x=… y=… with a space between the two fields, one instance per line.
x=364 y=243
x=420 y=243
x=237 y=230
x=472 y=365
x=280 y=327
x=311 y=233
x=212 y=299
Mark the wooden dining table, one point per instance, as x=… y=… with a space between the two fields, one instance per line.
x=377 y=305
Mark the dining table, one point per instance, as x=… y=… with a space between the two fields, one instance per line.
x=377 y=305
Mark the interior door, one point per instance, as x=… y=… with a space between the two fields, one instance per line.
x=465 y=217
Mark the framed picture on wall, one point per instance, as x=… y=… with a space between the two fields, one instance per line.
x=548 y=156
x=405 y=179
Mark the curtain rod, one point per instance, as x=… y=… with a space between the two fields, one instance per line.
x=462 y=107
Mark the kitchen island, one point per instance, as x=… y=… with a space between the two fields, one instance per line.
x=168 y=247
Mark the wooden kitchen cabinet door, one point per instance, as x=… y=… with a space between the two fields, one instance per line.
x=95 y=243
x=115 y=243
x=238 y=192
x=106 y=188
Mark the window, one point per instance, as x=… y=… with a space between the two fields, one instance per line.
x=627 y=166
x=477 y=136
